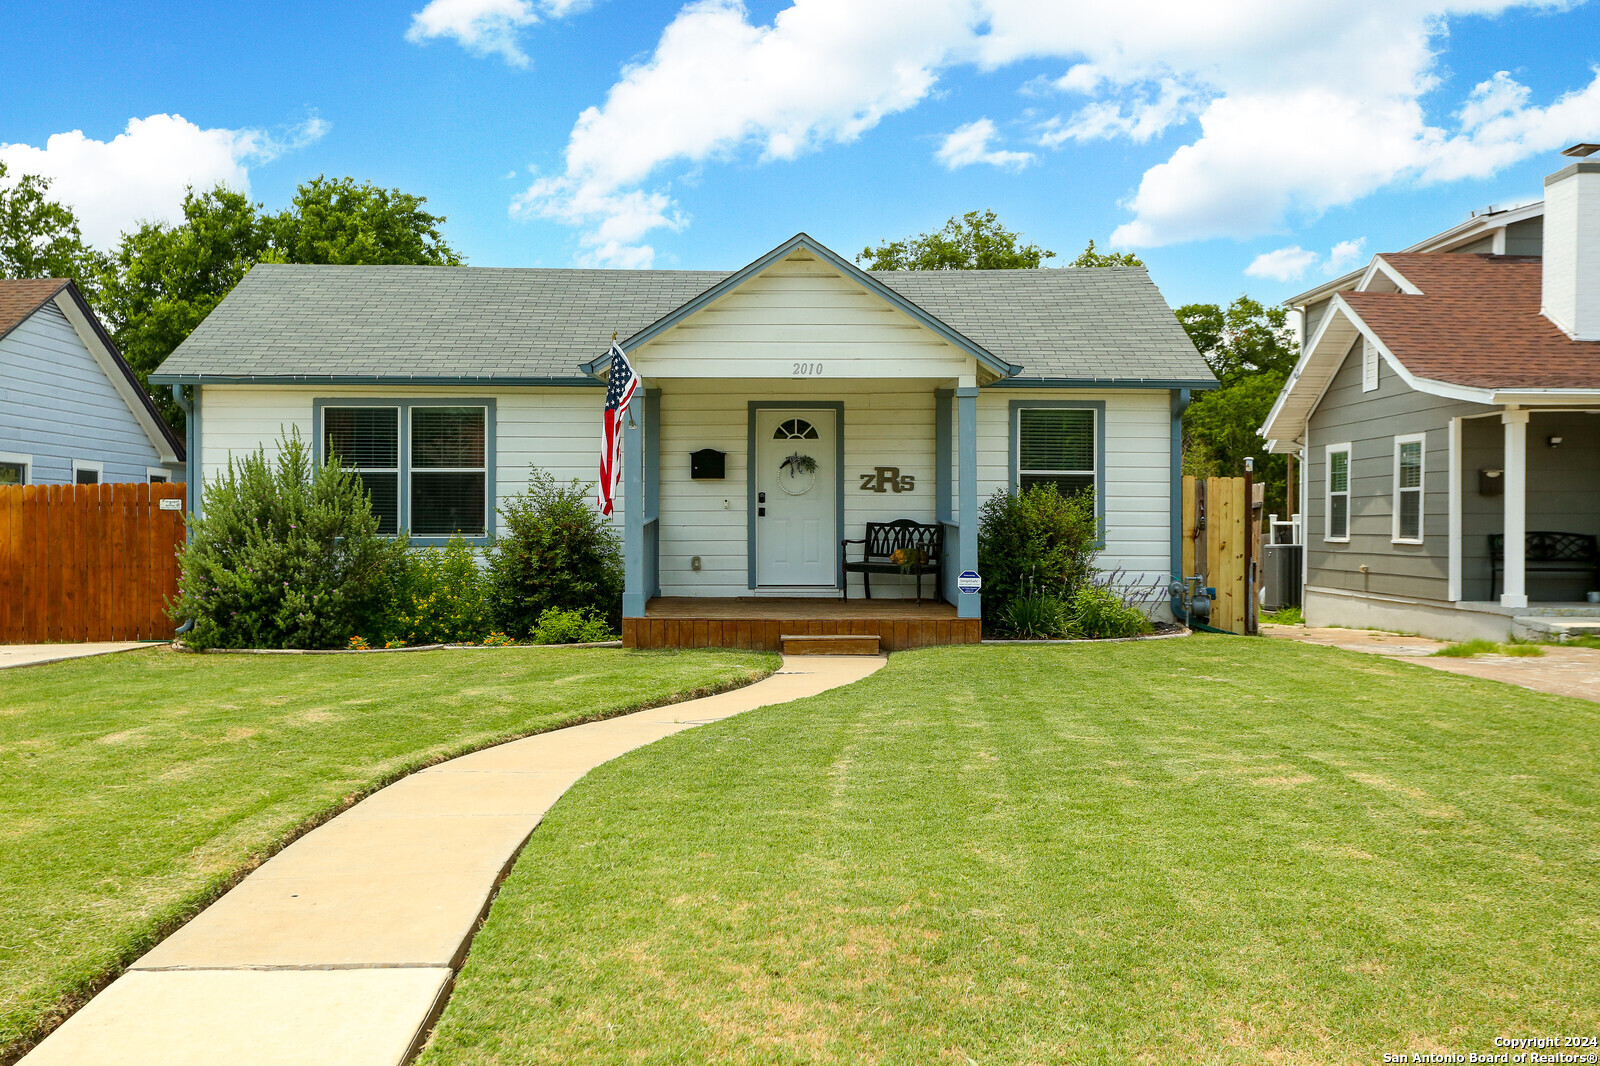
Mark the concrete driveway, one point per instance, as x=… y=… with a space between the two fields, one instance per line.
x=38 y=654
x=1561 y=671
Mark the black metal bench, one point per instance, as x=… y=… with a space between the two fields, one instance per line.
x=898 y=547
x=1547 y=553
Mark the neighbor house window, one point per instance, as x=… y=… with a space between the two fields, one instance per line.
x=1056 y=446
x=1408 y=489
x=14 y=468
x=158 y=475
x=86 y=473
x=1338 y=516
x=1369 y=365
x=425 y=465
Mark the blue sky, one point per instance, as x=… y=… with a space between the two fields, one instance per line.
x=1255 y=147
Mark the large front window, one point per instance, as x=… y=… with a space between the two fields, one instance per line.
x=425 y=465
x=1055 y=446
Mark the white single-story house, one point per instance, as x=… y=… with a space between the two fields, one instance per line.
x=916 y=394
x=71 y=410
x=1446 y=409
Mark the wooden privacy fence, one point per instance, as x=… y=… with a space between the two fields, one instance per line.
x=1217 y=548
x=88 y=562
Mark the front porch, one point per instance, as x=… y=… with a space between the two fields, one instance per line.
x=760 y=623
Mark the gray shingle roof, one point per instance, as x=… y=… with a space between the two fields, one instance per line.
x=430 y=323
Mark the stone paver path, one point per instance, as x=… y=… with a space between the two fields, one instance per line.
x=1560 y=671
x=341 y=949
x=38 y=654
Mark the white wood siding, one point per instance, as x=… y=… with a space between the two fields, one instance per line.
x=1135 y=474
x=558 y=429
x=800 y=311
x=886 y=423
x=57 y=405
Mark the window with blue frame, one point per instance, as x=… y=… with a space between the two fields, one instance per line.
x=1056 y=445
x=425 y=466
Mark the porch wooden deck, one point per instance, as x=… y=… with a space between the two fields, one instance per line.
x=757 y=622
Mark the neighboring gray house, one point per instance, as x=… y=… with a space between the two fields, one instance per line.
x=1446 y=408
x=71 y=411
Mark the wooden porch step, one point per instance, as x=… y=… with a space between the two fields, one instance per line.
x=840 y=644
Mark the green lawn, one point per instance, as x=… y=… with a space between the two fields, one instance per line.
x=1212 y=849
x=135 y=787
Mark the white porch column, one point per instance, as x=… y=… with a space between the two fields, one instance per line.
x=1515 y=589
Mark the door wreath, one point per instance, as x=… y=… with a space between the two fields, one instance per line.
x=798 y=466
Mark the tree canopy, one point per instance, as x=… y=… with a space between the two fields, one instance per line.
x=162 y=280
x=1251 y=350
x=39 y=237
x=972 y=242
x=1092 y=258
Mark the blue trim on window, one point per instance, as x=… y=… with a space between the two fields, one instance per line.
x=1099 y=409
x=837 y=407
x=491 y=494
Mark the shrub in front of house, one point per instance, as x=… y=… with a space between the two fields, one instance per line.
x=440 y=596
x=1035 y=543
x=556 y=626
x=555 y=550
x=1035 y=617
x=1102 y=612
x=286 y=555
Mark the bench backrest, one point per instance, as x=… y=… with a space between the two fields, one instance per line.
x=1547 y=547
x=886 y=538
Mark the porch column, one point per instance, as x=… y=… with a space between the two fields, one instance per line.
x=967 y=606
x=1515 y=589
x=640 y=496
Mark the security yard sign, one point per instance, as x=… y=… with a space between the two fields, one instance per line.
x=969 y=582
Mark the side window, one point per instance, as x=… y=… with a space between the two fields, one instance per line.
x=14 y=468
x=86 y=473
x=1057 y=445
x=368 y=439
x=1408 y=488
x=1338 y=493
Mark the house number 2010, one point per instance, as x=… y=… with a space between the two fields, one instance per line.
x=807 y=370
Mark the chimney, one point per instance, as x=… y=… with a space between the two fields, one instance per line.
x=1571 y=283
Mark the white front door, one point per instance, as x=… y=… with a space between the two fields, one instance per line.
x=797 y=491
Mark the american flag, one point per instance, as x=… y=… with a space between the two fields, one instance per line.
x=619 y=391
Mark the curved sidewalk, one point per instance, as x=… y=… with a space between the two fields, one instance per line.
x=342 y=947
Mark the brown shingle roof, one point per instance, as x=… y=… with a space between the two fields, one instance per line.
x=1476 y=323
x=21 y=298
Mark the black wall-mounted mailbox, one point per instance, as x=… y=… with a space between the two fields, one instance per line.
x=708 y=464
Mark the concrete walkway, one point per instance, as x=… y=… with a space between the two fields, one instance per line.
x=1560 y=671
x=38 y=654
x=341 y=949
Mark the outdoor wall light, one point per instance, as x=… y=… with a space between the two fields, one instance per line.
x=1553 y=440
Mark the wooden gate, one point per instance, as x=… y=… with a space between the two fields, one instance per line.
x=88 y=562
x=1217 y=548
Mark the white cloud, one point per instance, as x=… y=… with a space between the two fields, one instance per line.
x=487 y=27
x=1291 y=263
x=1287 y=107
x=142 y=173
x=1285 y=264
x=969 y=144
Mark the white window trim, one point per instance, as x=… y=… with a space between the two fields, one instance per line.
x=99 y=469
x=1369 y=365
x=26 y=461
x=1328 y=493
x=158 y=471
x=1420 y=490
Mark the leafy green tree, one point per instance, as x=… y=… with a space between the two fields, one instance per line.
x=971 y=242
x=163 y=280
x=39 y=237
x=338 y=221
x=1251 y=350
x=1092 y=258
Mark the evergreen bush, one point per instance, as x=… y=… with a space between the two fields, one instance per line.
x=555 y=551
x=286 y=555
x=571 y=627
x=1034 y=543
